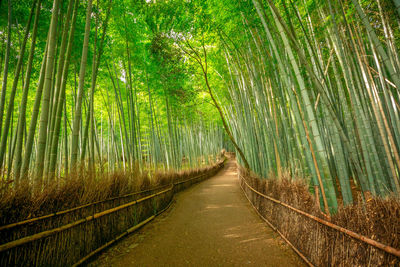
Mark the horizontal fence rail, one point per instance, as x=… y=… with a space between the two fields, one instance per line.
x=130 y=230
x=46 y=222
x=58 y=213
x=53 y=244
x=44 y=234
x=277 y=230
x=364 y=239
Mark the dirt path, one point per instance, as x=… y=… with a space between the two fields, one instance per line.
x=210 y=224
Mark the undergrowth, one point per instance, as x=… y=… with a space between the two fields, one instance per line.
x=377 y=218
x=27 y=201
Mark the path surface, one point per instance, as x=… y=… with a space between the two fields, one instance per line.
x=210 y=224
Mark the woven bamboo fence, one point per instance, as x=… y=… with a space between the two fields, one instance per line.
x=73 y=236
x=317 y=240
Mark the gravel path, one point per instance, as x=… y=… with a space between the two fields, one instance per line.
x=210 y=224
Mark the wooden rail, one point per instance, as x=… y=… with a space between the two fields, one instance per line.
x=277 y=230
x=44 y=234
x=41 y=235
x=130 y=230
x=58 y=213
x=352 y=234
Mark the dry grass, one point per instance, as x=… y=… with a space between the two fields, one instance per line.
x=323 y=246
x=66 y=247
x=25 y=201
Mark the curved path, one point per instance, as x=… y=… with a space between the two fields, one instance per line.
x=210 y=224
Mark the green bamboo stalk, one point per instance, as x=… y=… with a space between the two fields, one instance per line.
x=10 y=108
x=6 y=65
x=78 y=106
x=39 y=163
x=24 y=99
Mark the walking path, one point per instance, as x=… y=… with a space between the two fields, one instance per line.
x=210 y=224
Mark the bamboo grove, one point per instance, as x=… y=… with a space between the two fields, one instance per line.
x=320 y=80
x=308 y=88
x=96 y=85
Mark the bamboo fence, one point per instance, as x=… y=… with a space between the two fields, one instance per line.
x=73 y=236
x=317 y=241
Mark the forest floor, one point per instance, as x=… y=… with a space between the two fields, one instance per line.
x=210 y=224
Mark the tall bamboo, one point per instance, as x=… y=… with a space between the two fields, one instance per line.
x=78 y=105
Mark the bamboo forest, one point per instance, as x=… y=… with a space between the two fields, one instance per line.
x=281 y=116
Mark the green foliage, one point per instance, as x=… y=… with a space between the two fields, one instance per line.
x=316 y=95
